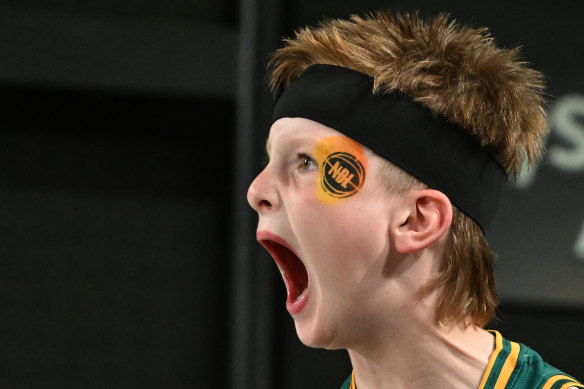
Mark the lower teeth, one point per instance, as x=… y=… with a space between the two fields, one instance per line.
x=301 y=295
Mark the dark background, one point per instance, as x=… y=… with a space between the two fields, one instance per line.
x=129 y=132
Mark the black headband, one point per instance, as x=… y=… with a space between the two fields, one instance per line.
x=401 y=130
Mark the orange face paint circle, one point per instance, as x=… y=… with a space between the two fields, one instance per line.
x=343 y=168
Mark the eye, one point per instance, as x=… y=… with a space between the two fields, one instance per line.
x=306 y=163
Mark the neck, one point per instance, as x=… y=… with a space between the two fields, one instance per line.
x=407 y=348
x=415 y=355
x=401 y=346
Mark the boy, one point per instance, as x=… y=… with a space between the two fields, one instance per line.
x=391 y=140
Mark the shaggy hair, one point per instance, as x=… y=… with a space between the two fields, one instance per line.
x=458 y=73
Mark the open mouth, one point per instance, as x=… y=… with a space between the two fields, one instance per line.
x=292 y=269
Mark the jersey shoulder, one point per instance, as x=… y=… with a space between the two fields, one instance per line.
x=516 y=366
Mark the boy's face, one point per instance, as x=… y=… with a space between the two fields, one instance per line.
x=324 y=216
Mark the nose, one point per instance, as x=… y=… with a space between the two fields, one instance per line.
x=262 y=195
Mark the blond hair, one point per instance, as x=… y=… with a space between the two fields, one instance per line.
x=458 y=73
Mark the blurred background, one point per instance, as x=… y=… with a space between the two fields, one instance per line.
x=129 y=132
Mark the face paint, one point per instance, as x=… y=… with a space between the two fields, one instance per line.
x=342 y=168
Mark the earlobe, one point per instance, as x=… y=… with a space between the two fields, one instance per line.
x=427 y=217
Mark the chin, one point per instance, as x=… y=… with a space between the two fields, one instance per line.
x=316 y=336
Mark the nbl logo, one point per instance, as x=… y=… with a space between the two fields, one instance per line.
x=342 y=175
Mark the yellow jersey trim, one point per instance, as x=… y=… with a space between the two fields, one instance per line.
x=494 y=355
x=556 y=378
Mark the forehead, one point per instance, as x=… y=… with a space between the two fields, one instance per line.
x=292 y=131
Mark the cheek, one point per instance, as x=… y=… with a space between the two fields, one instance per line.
x=347 y=239
x=344 y=240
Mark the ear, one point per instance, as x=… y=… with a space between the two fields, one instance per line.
x=425 y=219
